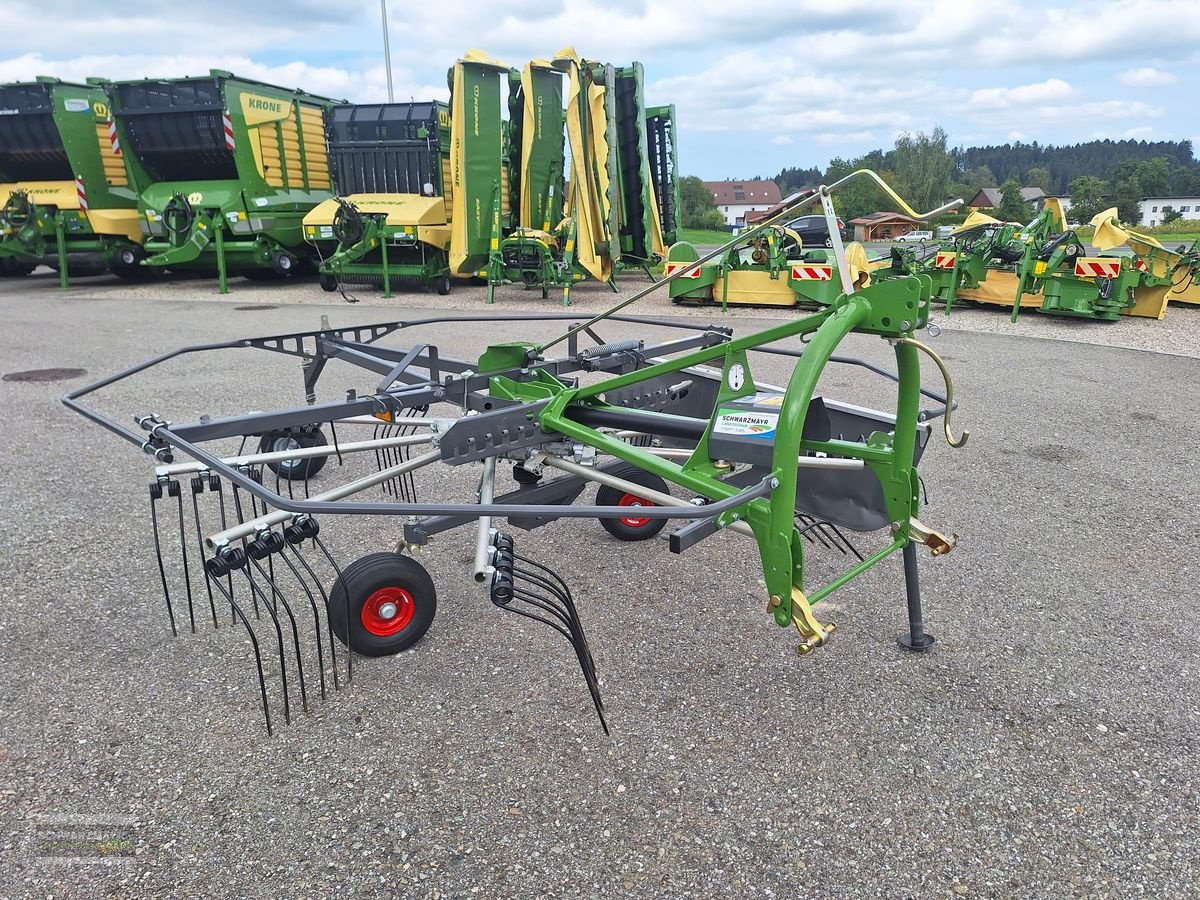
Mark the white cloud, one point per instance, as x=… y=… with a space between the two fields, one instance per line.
x=1050 y=90
x=783 y=140
x=1139 y=133
x=1146 y=76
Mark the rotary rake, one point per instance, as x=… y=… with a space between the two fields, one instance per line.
x=673 y=428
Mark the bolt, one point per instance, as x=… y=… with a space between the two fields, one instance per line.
x=387 y=611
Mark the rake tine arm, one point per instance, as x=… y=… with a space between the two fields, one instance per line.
x=262 y=682
x=270 y=543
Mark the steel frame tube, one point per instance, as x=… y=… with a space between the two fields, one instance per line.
x=483 y=540
x=254 y=459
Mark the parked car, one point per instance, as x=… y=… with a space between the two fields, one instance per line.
x=914 y=237
x=814 y=232
x=944 y=231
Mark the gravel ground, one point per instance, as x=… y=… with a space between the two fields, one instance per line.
x=1046 y=747
x=1178 y=332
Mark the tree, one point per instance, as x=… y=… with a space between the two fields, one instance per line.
x=923 y=168
x=1038 y=177
x=1013 y=207
x=979 y=177
x=1154 y=176
x=1087 y=197
x=699 y=209
x=1127 y=193
x=1170 y=214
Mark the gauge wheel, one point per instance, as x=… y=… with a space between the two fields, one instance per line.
x=632 y=527
x=294 y=469
x=381 y=604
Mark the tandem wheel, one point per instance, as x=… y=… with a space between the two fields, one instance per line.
x=294 y=469
x=381 y=604
x=632 y=527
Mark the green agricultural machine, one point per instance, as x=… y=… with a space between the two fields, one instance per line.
x=391 y=217
x=673 y=421
x=67 y=199
x=227 y=168
x=1043 y=265
x=622 y=199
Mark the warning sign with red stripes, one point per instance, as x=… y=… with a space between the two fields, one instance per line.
x=1098 y=267
x=227 y=124
x=1141 y=265
x=812 y=273
x=672 y=268
x=81 y=192
x=113 y=139
x=945 y=260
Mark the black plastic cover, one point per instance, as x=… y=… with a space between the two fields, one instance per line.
x=386 y=148
x=30 y=146
x=176 y=130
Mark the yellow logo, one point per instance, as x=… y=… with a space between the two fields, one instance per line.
x=100 y=109
x=443 y=118
x=195 y=197
x=257 y=109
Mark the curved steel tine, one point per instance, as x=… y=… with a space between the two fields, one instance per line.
x=197 y=486
x=237 y=506
x=174 y=489
x=262 y=681
x=156 y=492
x=254 y=589
x=583 y=654
x=320 y=544
x=846 y=541
x=216 y=484
x=534 y=602
x=312 y=602
x=811 y=530
x=564 y=595
x=559 y=608
x=325 y=599
x=277 y=597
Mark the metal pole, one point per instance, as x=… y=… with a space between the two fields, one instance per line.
x=487 y=494
x=387 y=50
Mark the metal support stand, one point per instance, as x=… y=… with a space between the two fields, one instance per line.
x=61 y=239
x=222 y=278
x=917 y=639
x=387 y=274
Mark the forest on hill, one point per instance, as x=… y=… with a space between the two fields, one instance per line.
x=926 y=171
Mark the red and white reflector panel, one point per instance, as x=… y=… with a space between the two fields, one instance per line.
x=81 y=192
x=227 y=124
x=671 y=268
x=112 y=137
x=1098 y=268
x=1141 y=265
x=812 y=273
x=945 y=260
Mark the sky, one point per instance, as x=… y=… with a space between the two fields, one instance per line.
x=756 y=88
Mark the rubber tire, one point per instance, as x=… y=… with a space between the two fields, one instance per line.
x=360 y=580
x=610 y=496
x=442 y=285
x=298 y=469
x=328 y=282
x=282 y=263
x=829 y=242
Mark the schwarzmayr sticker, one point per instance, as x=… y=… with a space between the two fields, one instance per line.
x=745 y=424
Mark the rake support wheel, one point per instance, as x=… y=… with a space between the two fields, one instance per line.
x=382 y=604
x=632 y=527
x=294 y=469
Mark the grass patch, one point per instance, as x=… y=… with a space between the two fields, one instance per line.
x=706 y=238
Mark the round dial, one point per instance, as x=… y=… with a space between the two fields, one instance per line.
x=736 y=377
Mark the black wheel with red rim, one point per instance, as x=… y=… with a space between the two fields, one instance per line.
x=632 y=527
x=382 y=603
x=297 y=468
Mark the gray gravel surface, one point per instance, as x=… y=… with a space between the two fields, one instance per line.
x=1046 y=747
